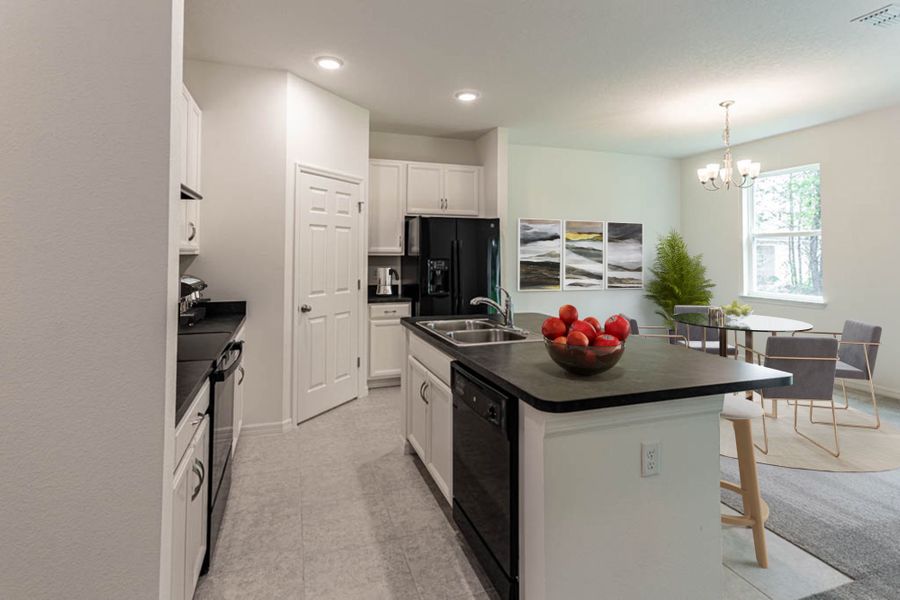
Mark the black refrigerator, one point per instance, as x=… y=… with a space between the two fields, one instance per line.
x=457 y=260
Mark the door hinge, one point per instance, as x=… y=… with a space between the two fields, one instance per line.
x=358 y=284
x=359 y=206
x=358 y=362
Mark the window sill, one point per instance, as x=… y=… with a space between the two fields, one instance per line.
x=786 y=300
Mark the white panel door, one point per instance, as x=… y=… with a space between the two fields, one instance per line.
x=462 y=189
x=385 y=348
x=418 y=411
x=326 y=292
x=387 y=201
x=198 y=501
x=440 y=400
x=181 y=482
x=424 y=189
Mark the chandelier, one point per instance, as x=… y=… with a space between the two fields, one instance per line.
x=747 y=169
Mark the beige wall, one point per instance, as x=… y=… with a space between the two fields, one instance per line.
x=257 y=124
x=396 y=146
x=244 y=140
x=554 y=183
x=860 y=220
x=89 y=272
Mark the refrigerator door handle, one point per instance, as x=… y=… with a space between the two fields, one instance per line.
x=459 y=299
x=454 y=287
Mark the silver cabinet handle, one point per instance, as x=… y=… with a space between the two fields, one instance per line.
x=193 y=232
x=198 y=420
x=400 y=240
x=422 y=389
x=201 y=473
x=390 y=312
x=305 y=308
x=241 y=380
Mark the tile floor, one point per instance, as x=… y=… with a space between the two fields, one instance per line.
x=336 y=510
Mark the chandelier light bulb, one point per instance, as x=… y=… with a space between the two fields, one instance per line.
x=747 y=170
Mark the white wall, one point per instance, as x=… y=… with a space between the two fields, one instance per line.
x=87 y=360
x=396 y=146
x=493 y=155
x=860 y=219
x=325 y=131
x=554 y=183
x=244 y=141
x=257 y=124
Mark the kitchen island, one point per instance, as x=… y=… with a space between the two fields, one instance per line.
x=591 y=524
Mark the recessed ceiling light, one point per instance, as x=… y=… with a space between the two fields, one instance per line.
x=467 y=95
x=329 y=63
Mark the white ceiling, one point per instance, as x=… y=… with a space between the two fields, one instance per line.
x=636 y=76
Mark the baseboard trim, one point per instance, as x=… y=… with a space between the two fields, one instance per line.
x=862 y=386
x=380 y=383
x=266 y=428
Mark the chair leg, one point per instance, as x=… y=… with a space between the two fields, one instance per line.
x=834 y=425
x=753 y=504
x=765 y=447
x=877 y=424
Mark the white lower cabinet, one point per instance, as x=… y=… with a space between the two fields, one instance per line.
x=430 y=419
x=386 y=339
x=440 y=463
x=239 y=386
x=419 y=410
x=189 y=514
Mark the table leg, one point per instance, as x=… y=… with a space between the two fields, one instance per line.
x=723 y=343
x=748 y=355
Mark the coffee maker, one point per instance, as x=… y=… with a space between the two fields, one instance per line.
x=384 y=285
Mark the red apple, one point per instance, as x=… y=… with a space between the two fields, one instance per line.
x=618 y=326
x=560 y=340
x=553 y=328
x=576 y=338
x=606 y=340
x=584 y=327
x=568 y=314
x=596 y=323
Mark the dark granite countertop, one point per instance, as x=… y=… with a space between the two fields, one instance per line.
x=189 y=379
x=380 y=299
x=200 y=345
x=649 y=371
x=221 y=317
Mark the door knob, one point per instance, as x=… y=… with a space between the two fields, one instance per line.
x=305 y=308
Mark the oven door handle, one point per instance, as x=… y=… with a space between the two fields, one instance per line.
x=222 y=375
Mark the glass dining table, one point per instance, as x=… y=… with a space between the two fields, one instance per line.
x=749 y=324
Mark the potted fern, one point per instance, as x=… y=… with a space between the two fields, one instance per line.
x=680 y=277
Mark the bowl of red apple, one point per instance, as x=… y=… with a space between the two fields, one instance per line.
x=585 y=346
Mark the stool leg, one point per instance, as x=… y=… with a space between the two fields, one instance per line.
x=750 y=485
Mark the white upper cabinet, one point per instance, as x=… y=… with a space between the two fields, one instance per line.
x=190 y=141
x=425 y=188
x=462 y=189
x=436 y=189
x=189 y=116
x=387 y=201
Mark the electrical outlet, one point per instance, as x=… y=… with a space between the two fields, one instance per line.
x=649 y=459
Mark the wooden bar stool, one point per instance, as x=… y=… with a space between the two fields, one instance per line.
x=741 y=412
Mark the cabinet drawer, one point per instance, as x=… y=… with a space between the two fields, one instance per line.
x=191 y=421
x=393 y=310
x=434 y=360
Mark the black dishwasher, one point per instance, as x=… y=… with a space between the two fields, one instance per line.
x=486 y=476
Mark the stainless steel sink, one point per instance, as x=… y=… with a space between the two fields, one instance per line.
x=470 y=332
x=487 y=336
x=449 y=325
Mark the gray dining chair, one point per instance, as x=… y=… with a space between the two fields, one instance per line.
x=813 y=362
x=673 y=338
x=705 y=339
x=858 y=344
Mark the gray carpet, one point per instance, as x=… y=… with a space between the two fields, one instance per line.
x=849 y=520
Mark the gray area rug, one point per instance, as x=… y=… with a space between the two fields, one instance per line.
x=849 y=520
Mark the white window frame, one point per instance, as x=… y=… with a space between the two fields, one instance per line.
x=749 y=236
